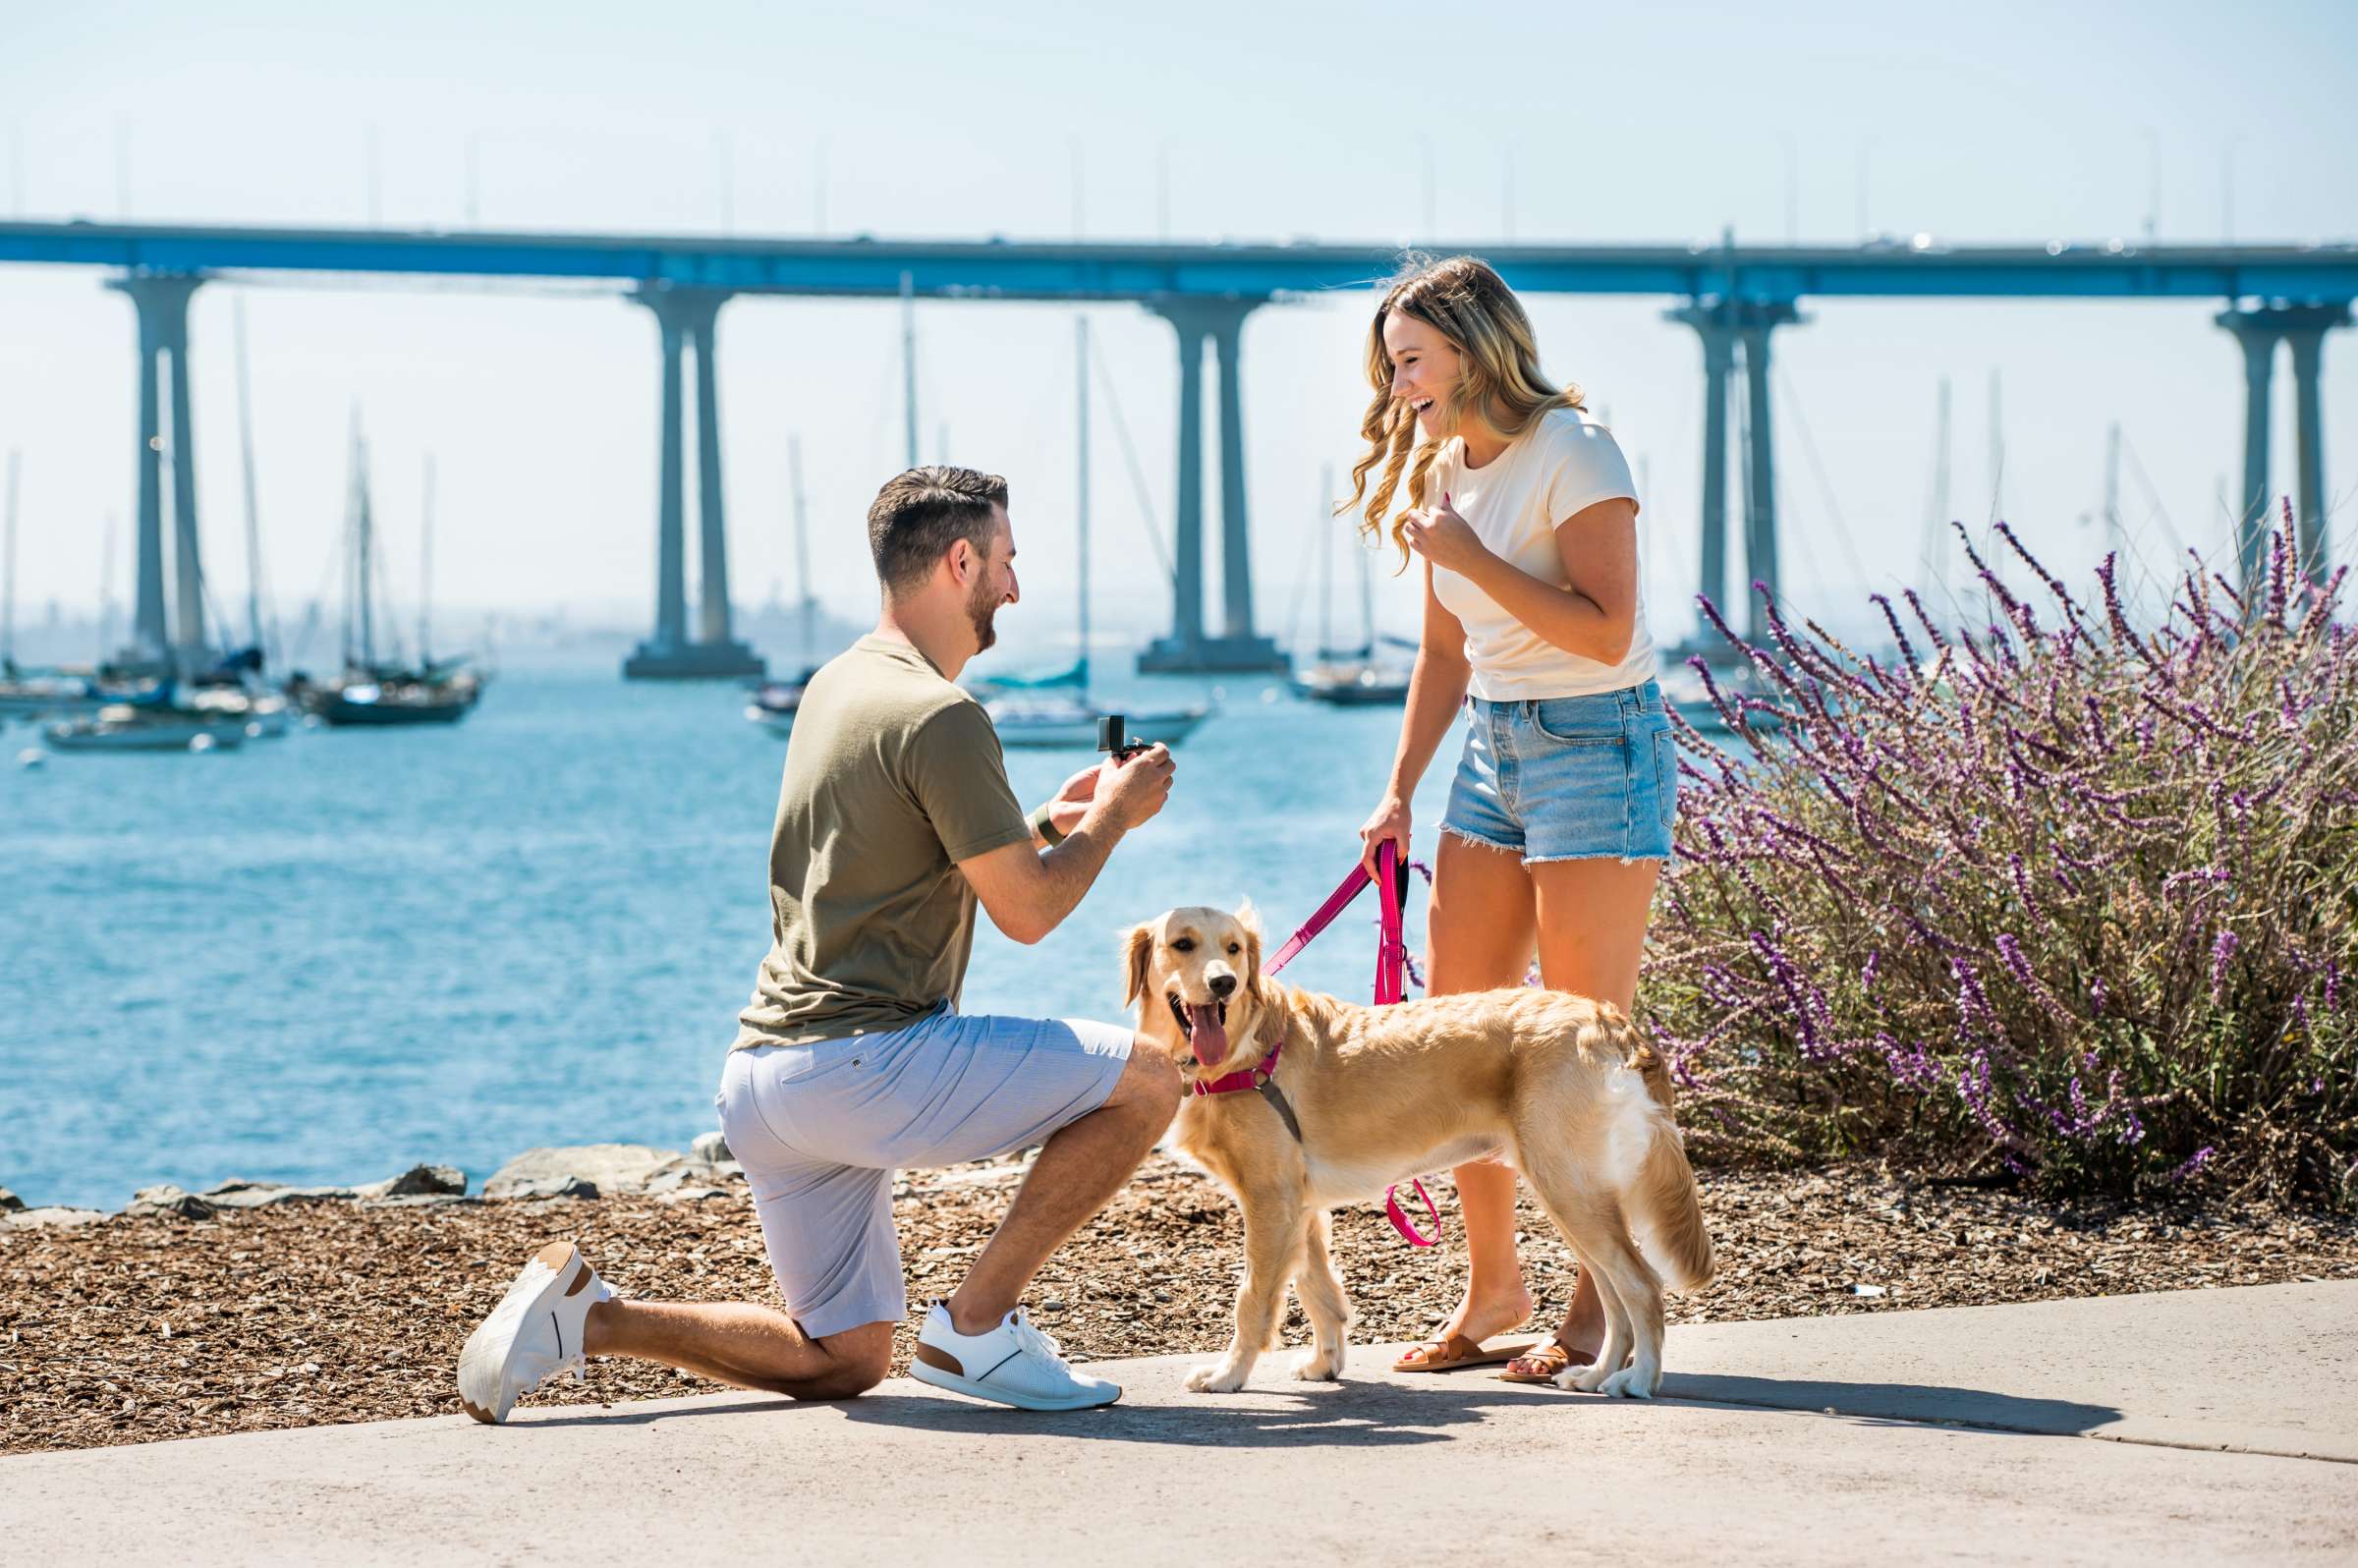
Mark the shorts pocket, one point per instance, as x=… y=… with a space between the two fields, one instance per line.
x=1580 y=721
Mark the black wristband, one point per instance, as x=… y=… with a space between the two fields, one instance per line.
x=1042 y=823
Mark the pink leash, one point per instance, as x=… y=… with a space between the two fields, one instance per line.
x=1391 y=986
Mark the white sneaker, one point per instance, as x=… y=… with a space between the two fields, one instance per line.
x=1013 y=1363
x=532 y=1335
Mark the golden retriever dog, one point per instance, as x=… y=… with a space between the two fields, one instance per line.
x=1563 y=1088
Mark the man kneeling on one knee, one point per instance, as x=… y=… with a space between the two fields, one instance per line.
x=852 y=1060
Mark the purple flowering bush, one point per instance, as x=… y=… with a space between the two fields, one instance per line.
x=2056 y=897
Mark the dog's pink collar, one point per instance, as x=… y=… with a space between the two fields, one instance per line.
x=1242 y=1078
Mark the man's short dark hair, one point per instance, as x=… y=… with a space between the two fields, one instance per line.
x=919 y=515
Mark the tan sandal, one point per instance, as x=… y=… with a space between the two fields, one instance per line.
x=1448 y=1355
x=1552 y=1357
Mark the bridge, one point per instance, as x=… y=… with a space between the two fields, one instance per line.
x=1733 y=297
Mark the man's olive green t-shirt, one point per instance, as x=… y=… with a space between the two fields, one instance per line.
x=893 y=775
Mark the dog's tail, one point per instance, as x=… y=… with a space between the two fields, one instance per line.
x=1650 y=1161
x=1663 y=1214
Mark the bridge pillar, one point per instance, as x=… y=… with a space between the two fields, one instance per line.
x=1239 y=648
x=1722 y=324
x=2308 y=352
x=160 y=638
x=2257 y=332
x=689 y=319
x=1718 y=336
x=1760 y=491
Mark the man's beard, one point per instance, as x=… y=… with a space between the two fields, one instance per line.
x=982 y=607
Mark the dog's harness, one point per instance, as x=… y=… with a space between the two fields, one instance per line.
x=1256 y=1078
x=1391 y=965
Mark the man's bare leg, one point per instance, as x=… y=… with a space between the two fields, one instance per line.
x=1077 y=1172
x=740 y=1343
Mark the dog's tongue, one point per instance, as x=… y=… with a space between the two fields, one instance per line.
x=1205 y=1035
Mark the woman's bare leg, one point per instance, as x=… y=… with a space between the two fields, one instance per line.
x=1591 y=936
x=1478 y=938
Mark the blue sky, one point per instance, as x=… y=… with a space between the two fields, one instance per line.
x=1995 y=122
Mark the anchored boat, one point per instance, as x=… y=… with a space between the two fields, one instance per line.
x=1056 y=710
x=1348 y=677
x=213 y=720
x=775 y=703
x=374 y=692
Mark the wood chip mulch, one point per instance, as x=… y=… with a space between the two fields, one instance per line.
x=141 y=1330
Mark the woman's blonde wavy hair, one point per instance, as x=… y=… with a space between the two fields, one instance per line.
x=1466 y=301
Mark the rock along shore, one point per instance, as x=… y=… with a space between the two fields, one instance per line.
x=582 y=1170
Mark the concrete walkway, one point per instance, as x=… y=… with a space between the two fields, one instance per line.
x=1901 y=1436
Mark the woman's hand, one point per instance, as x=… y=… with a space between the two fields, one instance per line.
x=1390 y=821
x=1441 y=536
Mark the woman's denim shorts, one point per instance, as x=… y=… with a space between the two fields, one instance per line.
x=1568 y=778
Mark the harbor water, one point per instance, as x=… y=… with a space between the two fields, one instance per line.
x=322 y=958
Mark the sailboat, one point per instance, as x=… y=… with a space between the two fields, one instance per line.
x=45 y=692
x=211 y=697
x=238 y=672
x=378 y=693
x=1348 y=677
x=166 y=724
x=87 y=713
x=775 y=703
x=1057 y=710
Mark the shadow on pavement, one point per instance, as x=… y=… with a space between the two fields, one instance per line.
x=638 y=1413
x=1923 y=1402
x=1368 y=1413
x=1388 y=1413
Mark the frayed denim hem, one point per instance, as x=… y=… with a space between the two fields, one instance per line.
x=1565 y=859
x=1479 y=842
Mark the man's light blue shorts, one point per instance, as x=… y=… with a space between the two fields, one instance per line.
x=821 y=1129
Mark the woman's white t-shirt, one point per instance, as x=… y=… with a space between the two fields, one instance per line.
x=1553 y=470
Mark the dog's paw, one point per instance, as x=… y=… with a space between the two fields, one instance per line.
x=1218 y=1379
x=1588 y=1380
x=1319 y=1368
x=1629 y=1384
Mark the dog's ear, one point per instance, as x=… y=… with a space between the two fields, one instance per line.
x=1137 y=947
x=1250 y=919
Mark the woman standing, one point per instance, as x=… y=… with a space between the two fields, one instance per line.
x=1560 y=814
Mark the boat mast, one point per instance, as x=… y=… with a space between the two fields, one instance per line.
x=2113 y=528
x=1327 y=571
x=368 y=566
x=1998 y=480
x=801 y=549
x=1997 y=455
x=253 y=529
x=1936 y=515
x=1081 y=504
x=425 y=567
x=352 y=531
x=7 y=589
x=908 y=362
x=1366 y=588
x=106 y=591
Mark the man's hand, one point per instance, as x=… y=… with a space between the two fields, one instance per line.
x=1135 y=790
x=1028 y=892
x=1072 y=802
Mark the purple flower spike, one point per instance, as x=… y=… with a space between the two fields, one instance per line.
x=2221 y=951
